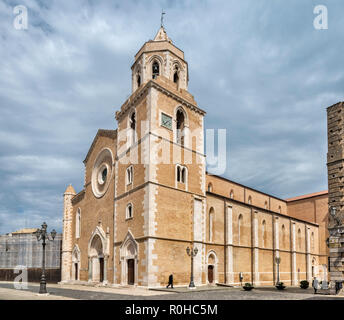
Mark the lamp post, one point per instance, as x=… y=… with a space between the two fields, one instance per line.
x=43 y=235
x=278 y=261
x=191 y=253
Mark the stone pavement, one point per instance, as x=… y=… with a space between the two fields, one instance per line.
x=69 y=292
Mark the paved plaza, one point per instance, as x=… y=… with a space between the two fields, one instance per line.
x=80 y=292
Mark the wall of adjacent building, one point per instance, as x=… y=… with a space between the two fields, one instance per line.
x=23 y=250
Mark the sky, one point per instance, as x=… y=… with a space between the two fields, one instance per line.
x=259 y=68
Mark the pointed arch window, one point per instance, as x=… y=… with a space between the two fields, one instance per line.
x=249 y=200
x=299 y=239
x=210 y=187
x=78 y=224
x=138 y=80
x=240 y=228
x=312 y=242
x=283 y=237
x=211 y=225
x=264 y=234
x=176 y=77
x=181 y=174
x=231 y=194
x=180 y=127
x=130 y=175
x=129 y=211
x=132 y=128
x=155 y=70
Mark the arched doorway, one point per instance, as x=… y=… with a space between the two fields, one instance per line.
x=97 y=258
x=131 y=271
x=212 y=268
x=210 y=274
x=76 y=263
x=76 y=271
x=129 y=254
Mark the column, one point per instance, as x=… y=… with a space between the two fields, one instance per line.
x=293 y=254
x=89 y=269
x=199 y=233
x=229 y=245
x=105 y=269
x=276 y=249
x=255 y=243
x=308 y=255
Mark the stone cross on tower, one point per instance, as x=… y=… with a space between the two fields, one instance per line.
x=162 y=17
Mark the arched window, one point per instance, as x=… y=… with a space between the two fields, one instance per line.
x=129 y=211
x=176 y=74
x=130 y=175
x=283 y=237
x=279 y=209
x=231 y=194
x=210 y=187
x=264 y=234
x=240 y=228
x=155 y=69
x=249 y=200
x=78 y=224
x=176 y=78
x=181 y=174
x=180 y=127
x=299 y=239
x=211 y=225
x=312 y=242
x=313 y=266
x=132 y=125
x=265 y=205
x=138 y=79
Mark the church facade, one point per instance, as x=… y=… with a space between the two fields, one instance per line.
x=147 y=197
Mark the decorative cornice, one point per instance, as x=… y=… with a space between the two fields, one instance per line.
x=101 y=133
x=78 y=196
x=131 y=101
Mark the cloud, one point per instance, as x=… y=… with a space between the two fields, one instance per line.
x=258 y=68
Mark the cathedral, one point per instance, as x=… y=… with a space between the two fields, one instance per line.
x=148 y=202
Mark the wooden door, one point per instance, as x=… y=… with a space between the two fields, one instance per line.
x=210 y=274
x=131 y=271
x=101 y=269
x=76 y=271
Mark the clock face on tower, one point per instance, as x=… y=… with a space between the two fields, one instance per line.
x=166 y=121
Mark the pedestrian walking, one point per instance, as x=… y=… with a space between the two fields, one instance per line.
x=315 y=285
x=170 y=281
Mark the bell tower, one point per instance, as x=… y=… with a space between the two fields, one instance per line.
x=165 y=200
x=160 y=58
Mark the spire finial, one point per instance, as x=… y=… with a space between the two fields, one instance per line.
x=162 y=17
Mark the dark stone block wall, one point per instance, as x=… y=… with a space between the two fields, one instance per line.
x=34 y=275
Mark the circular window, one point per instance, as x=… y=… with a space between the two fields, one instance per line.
x=102 y=174
x=102 y=171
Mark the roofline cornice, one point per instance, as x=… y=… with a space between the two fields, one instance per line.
x=103 y=133
x=131 y=101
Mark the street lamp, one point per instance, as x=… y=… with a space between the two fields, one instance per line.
x=278 y=261
x=42 y=234
x=191 y=253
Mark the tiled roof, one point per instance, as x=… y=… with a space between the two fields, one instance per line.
x=310 y=195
